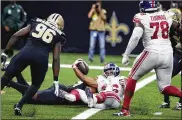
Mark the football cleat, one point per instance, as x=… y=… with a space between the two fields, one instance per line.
x=123 y=112
x=89 y=94
x=17 y=110
x=165 y=105
x=178 y=106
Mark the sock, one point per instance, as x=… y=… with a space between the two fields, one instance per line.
x=129 y=92
x=28 y=95
x=21 y=80
x=166 y=98
x=172 y=91
x=4 y=81
x=20 y=88
x=100 y=98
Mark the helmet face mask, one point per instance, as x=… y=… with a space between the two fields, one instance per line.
x=57 y=20
x=111 y=69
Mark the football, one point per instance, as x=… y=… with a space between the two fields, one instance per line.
x=83 y=67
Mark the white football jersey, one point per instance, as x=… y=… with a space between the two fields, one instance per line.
x=115 y=84
x=156 y=31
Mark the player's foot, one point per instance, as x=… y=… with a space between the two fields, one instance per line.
x=89 y=94
x=91 y=60
x=123 y=112
x=17 y=110
x=101 y=61
x=178 y=106
x=165 y=105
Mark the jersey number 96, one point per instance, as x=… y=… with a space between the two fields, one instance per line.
x=43 y=32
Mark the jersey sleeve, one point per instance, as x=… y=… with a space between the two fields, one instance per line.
x=62 y=39
x=137 y=18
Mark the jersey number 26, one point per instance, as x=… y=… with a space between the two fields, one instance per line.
x=43 y=32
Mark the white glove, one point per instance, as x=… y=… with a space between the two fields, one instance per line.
x=125 y=60
x=56 y=85
x=4 y=57
x=76 y=62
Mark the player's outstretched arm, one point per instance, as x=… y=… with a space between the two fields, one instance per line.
x=91 y=82
x=56 y=65
x=15 y=37
x=134 y=39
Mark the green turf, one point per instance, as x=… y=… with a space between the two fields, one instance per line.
x=145 y=102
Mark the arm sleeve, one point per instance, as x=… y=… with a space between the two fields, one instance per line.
x=134 y=39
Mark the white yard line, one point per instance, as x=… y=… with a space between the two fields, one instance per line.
x=90 y=67
x=88 y=113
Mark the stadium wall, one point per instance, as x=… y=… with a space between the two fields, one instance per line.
x=77 y=22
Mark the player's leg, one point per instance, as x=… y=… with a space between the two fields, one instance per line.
x=21 y=80
x=19 y=87
x=38 y=72
x=16 y=66
x=164 y=73
x=93 y=36
x=176 y=69
x=143 y=64
x=102 y=45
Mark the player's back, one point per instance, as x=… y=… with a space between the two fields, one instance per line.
x=44 y=35
x=156 y=31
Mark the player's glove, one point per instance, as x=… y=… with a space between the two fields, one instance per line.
x=125 y=60
x=76 y=62
x=4 y=57
x=56 y=85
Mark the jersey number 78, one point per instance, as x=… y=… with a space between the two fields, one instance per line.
x=164 y=27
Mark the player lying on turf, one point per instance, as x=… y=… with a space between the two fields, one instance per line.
x=153 y=27
x=47 y=96
x=110 y=87
x=176 y=40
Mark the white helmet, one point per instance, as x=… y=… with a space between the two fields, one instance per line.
x=57 y=20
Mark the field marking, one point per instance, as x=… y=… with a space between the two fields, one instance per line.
x=90 y=67
x=88 y=113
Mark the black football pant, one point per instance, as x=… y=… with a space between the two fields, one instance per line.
x=38 y=62
x=177 y=67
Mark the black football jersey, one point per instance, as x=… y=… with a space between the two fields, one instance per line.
x=44 y=35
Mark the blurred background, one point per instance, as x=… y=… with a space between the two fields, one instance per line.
x=75 y=14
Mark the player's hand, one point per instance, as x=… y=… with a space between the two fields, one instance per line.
x=56 y=85
x=4 y=57
x=125 y=60
x=76 y=62
x=93 y=6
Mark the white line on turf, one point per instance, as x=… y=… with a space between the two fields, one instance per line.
x=90 y=67
x=86 y=114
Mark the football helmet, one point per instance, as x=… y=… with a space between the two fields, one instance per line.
x=57 y=20
x=176 y=14
x=111 y=69
x=148 y=5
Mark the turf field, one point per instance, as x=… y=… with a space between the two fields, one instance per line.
x=144 y=104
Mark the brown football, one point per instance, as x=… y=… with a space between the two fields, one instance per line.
x=83 y=67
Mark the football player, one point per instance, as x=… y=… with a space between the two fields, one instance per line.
x=110 y=87
x=153 y=25
x=43 y=35
x=176 y=40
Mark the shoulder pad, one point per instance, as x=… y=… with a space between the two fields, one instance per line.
x=137 y=18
